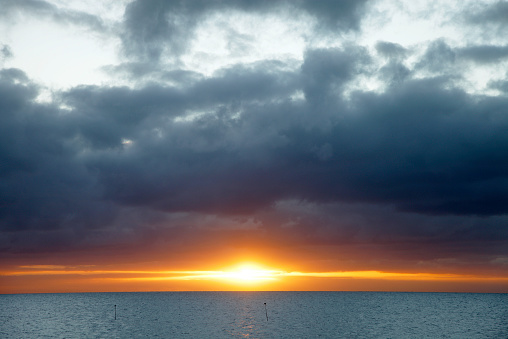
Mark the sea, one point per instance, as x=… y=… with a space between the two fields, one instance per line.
x=254 y=315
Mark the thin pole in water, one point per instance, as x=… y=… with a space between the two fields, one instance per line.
x=115 y=312
x=266 y=312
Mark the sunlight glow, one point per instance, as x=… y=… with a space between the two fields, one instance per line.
x=242 y=273
x=250 y=277
x=249 y=273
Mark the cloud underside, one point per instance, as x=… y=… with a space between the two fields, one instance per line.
x=302 y=155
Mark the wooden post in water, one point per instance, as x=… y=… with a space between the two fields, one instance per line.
x=115 y=312
x=266 y=312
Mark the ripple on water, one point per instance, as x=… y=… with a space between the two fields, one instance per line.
x=242 y=315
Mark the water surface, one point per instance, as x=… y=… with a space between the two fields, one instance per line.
x=243 y=314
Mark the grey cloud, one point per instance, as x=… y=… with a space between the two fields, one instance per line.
x=444 y=150
x=349 y=224
x=416 y=173
x=14 y=99
x=419 y=146
x=237 y=143
x=12 y=75
x=326 y=71
x=491 y=13
x=150 y=25
x=438 y=57
x=43 y=185
x=394 y=73
x=391 y=50
x=243 y=84
x=17 y=91
x=336 y=15
x=501 y=85
x=45 y=9
x=155 y=27
x=104 y=117
x=5 y=52
x=484 y=53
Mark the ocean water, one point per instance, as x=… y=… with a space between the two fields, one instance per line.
x=243 y=315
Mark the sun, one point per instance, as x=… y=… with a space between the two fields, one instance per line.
x=249 y=273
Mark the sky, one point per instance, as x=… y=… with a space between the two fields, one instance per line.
x=253 y=145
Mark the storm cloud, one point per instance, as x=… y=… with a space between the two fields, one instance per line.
x=417 y=168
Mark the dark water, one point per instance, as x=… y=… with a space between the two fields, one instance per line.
x=242 y=314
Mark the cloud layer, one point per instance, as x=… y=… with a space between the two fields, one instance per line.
x=302 y=155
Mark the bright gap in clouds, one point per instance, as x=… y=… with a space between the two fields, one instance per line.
x=224 y=40
x=57 y=55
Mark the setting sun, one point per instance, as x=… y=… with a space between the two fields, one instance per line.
x=249 y=273
x=247 y=276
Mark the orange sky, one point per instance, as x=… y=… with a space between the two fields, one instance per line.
x=243 y=264
x=216 y=263
x=250 y=276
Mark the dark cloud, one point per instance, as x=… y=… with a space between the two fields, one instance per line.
x=427 y=153
x=157 y=27
x=420 y=146
x=336 y=15
x=296 y=156
x=326 y=71
x=431 y=237
x=501 y=85
x=243 y=84
x=394 y=73
x=152 y=25
x=484 y=53
x=5 y=52
x=438 y=57
x=496 y=13
x=391 y=50
x=106 y=116
x=14 y=98
x=44 y=187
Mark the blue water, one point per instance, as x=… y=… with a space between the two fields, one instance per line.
x=243 y=314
